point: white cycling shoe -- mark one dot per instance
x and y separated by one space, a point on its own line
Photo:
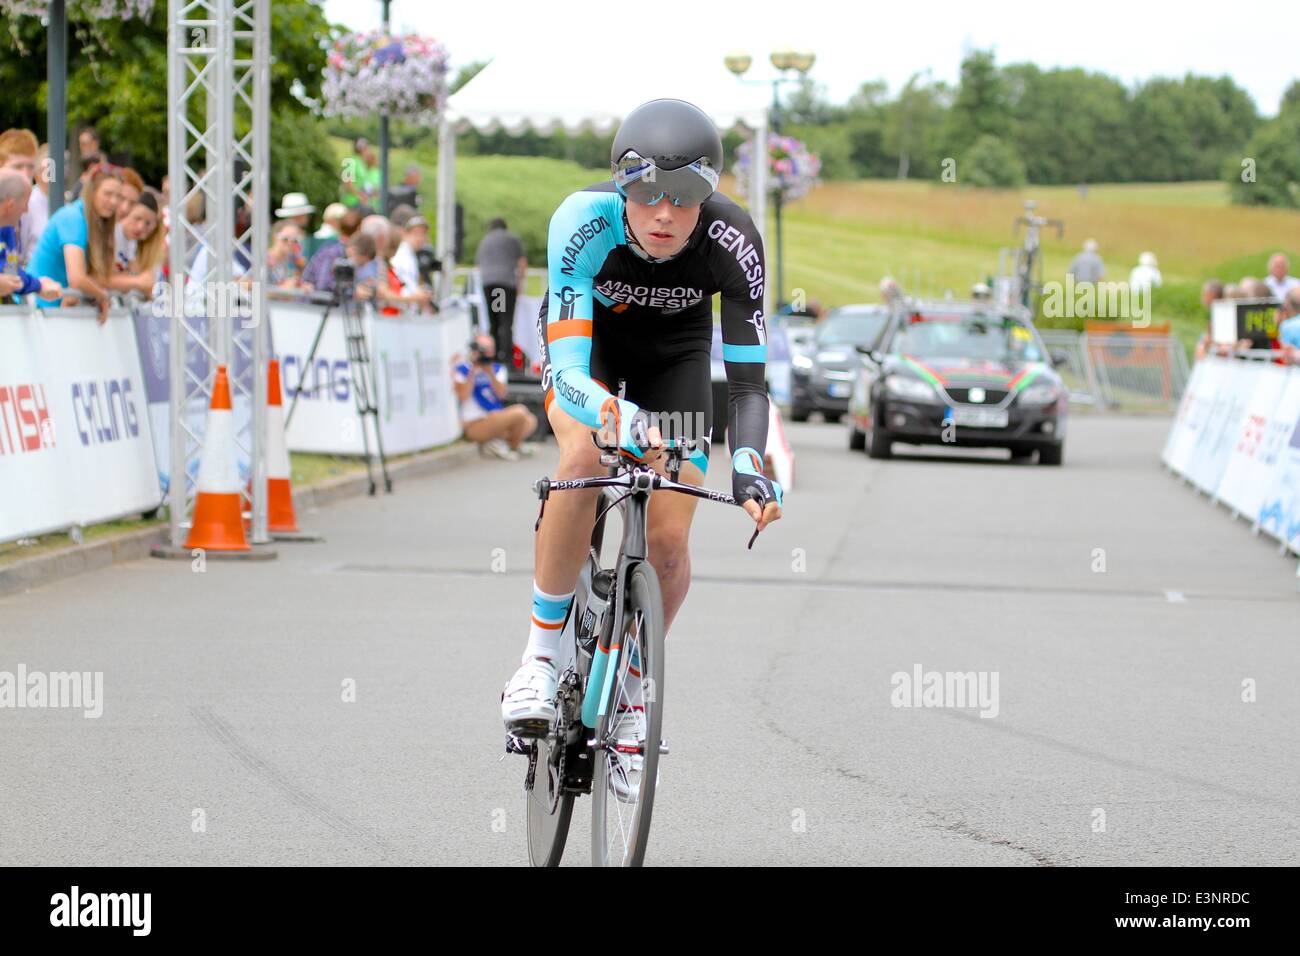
528 701
625 771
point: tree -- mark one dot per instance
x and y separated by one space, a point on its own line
117 82
981 105
912 124
991 163
1272 177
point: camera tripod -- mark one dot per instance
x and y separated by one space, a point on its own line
354 335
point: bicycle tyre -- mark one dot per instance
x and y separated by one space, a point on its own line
641 622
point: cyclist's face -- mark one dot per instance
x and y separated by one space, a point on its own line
662 229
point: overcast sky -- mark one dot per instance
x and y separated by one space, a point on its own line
1131 40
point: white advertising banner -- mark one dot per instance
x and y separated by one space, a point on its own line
75 442
1217 439
1192 410
1247 476
410 362
1279 506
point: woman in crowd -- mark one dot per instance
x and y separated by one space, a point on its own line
284 260
141 247
76 249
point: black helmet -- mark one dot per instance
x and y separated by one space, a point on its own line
668 135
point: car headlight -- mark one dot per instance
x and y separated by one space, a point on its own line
901 386
1044 393
802 362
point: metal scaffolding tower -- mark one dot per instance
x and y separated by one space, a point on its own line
218 79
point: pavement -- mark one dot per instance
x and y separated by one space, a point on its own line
340 705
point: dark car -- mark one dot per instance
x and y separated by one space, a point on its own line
961 374
821 378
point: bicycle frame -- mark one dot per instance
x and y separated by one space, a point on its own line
639 481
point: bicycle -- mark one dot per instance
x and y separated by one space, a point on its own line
579 754
1029 260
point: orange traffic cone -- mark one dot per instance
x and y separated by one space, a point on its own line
279 493
217 524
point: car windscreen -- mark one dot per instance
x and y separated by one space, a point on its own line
856 327
980 337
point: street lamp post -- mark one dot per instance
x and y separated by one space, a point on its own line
56 99
383 138
784 61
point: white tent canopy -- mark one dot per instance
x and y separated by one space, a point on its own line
591 89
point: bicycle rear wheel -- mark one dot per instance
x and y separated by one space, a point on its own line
621 805
549 809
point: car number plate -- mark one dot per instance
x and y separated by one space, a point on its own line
980 417
840 389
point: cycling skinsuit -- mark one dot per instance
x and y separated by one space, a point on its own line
610 314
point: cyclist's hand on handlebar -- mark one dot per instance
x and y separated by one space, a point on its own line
628 428
759 495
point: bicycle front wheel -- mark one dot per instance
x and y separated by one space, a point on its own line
628 734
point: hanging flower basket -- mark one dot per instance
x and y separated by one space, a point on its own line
82 9
792 169
369 74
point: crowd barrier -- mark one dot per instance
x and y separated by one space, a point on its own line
85 420
1236 437
75 439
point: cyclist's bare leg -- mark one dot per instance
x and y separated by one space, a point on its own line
668 529
565 534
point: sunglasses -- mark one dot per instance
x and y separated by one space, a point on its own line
641 181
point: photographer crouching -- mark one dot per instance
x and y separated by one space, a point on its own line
480 384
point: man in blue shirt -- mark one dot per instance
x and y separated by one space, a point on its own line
15 190
480 385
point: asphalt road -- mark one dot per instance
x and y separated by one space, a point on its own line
1119 612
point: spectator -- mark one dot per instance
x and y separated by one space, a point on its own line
76 249
379 229
1233 291
38 207
141 246
361 178
132 190
1211 292
297 210
407 192
88 147
502 265
414 236
91 153
15 190
1278 281
165 202
1145 275
1288 329
1087 265
1256 289
19 151
362 254
480 384
319 273
284 262
402 214
890 290
330 220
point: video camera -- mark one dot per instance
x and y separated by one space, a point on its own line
427 263
479 356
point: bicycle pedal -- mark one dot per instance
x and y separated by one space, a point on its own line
516 745
663 748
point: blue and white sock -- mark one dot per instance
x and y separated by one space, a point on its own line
549 612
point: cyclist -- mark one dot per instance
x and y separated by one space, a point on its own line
633 266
